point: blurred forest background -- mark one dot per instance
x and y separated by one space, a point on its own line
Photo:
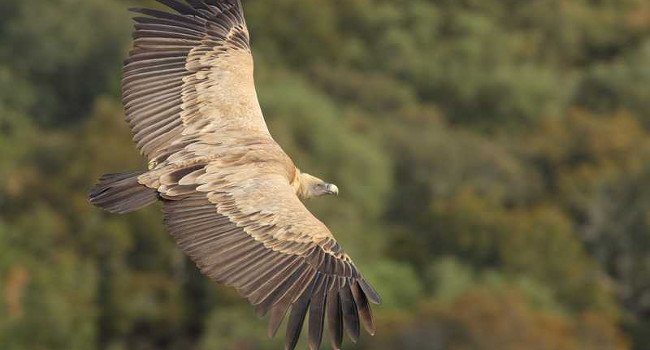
493 158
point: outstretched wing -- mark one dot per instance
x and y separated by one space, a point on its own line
190 72
243 225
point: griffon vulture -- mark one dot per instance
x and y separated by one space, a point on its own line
230 195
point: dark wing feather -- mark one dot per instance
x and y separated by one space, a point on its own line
335 320
317 313
298 312
350 313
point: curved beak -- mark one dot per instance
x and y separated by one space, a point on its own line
332 189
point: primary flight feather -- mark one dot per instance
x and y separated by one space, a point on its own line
230 195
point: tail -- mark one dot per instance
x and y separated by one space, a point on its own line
122 193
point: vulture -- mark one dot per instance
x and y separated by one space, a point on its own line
231 197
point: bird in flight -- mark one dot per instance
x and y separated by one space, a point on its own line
231 196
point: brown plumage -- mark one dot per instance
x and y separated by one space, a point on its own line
230 195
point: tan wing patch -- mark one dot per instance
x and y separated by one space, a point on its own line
221 95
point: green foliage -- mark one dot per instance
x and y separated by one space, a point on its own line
399 284
492 158
68 51
235 327
620 84
42 290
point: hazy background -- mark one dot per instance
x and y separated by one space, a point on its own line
493 158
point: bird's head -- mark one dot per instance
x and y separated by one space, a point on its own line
311 186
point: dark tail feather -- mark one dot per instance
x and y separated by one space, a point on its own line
121 193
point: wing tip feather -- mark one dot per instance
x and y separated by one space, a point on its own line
370 292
